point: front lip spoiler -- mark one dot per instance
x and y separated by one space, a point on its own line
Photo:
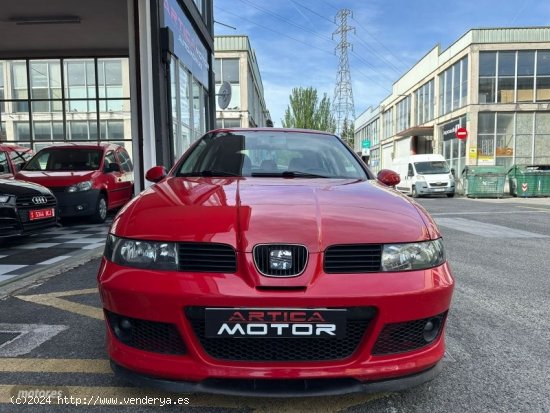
279 388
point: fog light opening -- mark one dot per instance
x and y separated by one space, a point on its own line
80 207
431 329
123 329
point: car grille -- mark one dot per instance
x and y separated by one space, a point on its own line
438 184
146 335
351 259
284 349
25 204
207 257
407 336
262 259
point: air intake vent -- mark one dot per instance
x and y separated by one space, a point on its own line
207 257
350 259
280 260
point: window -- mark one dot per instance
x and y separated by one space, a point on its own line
62 97
125 161
543 76
425 103
388 123
506 74
404 114
453 87
509 76
228 70
487 77
526 79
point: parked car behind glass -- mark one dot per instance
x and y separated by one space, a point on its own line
273 262
12 159
25 208
87 180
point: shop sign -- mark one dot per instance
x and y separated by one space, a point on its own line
449 130
188 47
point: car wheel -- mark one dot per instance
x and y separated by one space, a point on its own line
414 192
451 195
100 213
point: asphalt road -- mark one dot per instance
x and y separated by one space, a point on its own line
498 334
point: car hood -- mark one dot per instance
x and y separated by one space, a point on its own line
19 188
242 212
55 179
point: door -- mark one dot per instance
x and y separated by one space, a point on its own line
127 171
114 180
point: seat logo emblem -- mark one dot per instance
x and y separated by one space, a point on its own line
280 259
39 200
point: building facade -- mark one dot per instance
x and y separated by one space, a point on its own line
236 63
493 82
135 72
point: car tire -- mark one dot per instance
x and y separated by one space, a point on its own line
100 213
414 192
451 195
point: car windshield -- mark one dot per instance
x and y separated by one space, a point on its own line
271 154
65 160
432 167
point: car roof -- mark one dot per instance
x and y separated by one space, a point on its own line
281 130
10 148
73 145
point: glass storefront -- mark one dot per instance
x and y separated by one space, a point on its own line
508 138
46 101
188 110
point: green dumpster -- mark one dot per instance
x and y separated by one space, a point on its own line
529 180
484 181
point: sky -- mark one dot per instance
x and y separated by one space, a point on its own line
295 47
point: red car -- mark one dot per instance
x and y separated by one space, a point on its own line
272 262
12 159
87 180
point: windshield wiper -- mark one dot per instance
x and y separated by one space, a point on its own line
289 174
209 172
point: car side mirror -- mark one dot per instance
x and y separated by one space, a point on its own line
156 174
388 177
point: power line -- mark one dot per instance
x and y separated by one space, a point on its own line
274 31
397 59
284 19
313 11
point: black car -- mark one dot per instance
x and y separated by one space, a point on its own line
25 208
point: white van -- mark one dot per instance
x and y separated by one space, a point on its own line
424 175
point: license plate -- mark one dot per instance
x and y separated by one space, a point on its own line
275 323
41 214
439 189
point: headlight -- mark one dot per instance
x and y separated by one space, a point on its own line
451 177
80 187
142 254
413 256
4 198
420 178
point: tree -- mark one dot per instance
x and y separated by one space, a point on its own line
348 133
306 112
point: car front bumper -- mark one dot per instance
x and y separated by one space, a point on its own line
77 204
164 297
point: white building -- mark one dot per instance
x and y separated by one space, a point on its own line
493 82
235 62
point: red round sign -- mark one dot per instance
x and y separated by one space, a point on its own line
461 133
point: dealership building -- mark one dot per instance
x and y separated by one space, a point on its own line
493 82
136 72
